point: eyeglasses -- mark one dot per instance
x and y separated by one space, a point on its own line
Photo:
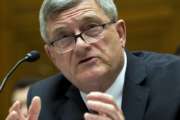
90 35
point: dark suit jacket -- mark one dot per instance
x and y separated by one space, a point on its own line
151 91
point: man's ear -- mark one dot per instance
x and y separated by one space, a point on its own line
50 53
121 29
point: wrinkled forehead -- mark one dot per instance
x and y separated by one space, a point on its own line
86 9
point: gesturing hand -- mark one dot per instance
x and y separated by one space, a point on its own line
105 107
33 112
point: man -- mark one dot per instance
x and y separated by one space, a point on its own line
100 79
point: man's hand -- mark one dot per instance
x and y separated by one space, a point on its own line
33 112
105 107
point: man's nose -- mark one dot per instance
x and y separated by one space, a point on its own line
81 44
80 39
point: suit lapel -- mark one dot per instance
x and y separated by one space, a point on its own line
73 108
135 95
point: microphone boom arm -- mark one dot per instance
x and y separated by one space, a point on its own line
29 57
10 72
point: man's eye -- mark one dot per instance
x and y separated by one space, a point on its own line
91 26
62 36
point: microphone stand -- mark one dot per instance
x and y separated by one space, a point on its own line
11 71
29 57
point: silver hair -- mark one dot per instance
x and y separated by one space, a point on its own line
51 7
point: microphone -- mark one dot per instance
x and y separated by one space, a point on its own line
29 57
32 56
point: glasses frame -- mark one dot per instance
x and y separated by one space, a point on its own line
81 36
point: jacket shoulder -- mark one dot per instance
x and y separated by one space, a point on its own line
157 59
48 89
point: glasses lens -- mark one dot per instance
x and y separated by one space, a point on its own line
93 34
64 45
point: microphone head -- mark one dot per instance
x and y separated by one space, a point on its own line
32 56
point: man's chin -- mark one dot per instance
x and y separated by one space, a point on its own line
91 74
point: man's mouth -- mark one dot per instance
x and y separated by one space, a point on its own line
87 60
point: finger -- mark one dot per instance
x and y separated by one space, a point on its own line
13 115
99 96
89 116
108 100
103 108
15 107
106 110
35 108
121 114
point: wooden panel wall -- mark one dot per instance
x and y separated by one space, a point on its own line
19 34
151 25
3 46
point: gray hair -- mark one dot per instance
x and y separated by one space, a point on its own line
51 7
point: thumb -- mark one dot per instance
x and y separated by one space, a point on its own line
34 109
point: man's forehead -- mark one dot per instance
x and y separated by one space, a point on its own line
86 18
91 16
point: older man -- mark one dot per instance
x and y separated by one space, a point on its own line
99 79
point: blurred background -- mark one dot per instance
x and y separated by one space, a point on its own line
152 25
